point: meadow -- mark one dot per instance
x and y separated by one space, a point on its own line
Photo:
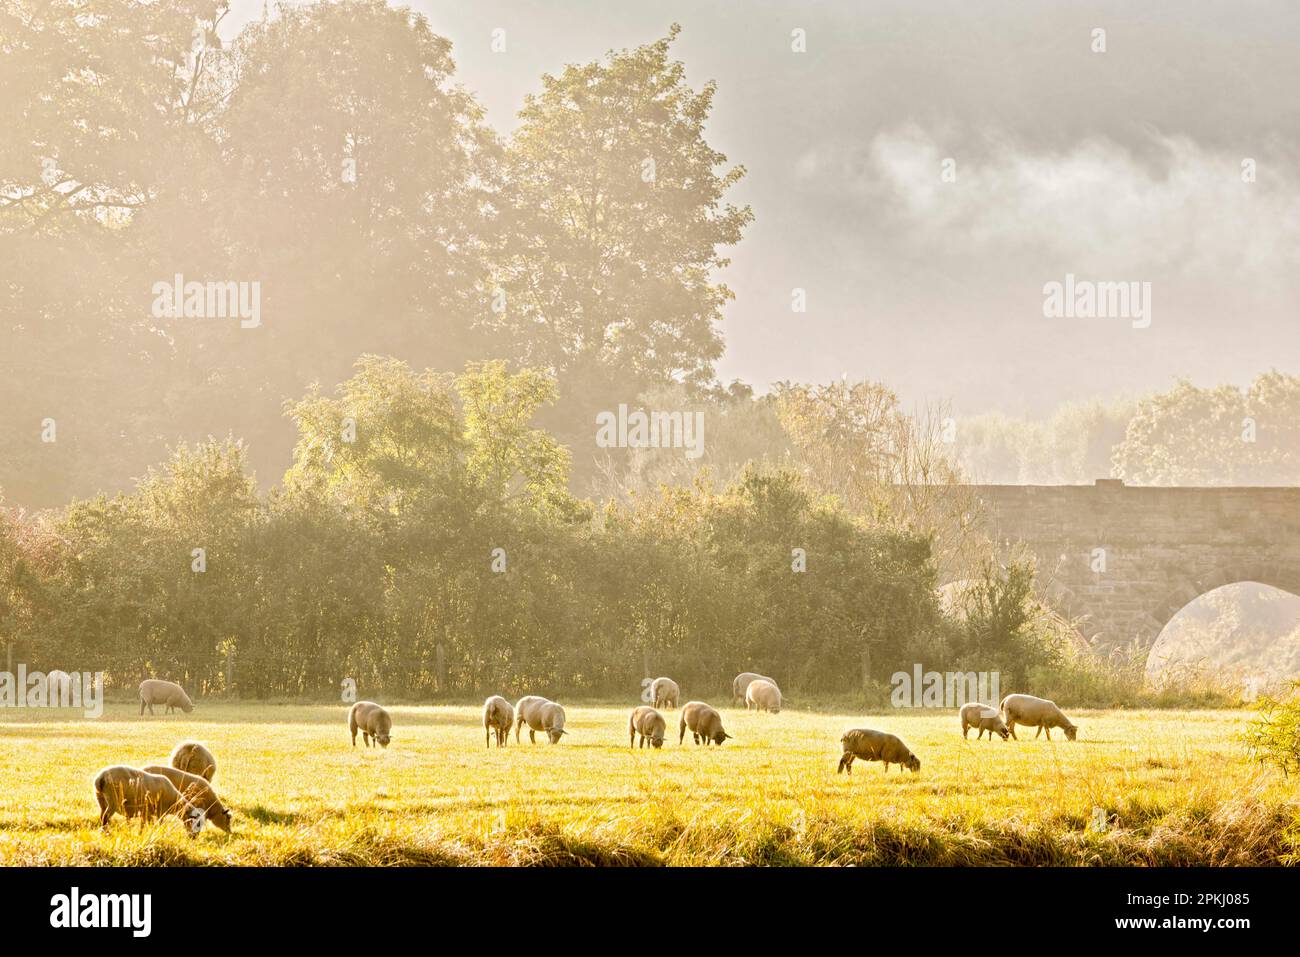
1173 788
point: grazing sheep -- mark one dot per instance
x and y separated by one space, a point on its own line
976 715
763 695
648 723
872 745
153 691
195 758
741 684
704 722
131 792
374 723
1030 711
540 715
498 716
197 791
666 693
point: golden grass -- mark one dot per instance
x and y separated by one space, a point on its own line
1176 788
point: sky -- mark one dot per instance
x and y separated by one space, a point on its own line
1117 166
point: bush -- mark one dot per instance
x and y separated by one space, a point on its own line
1274 737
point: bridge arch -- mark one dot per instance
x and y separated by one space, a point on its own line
1159 548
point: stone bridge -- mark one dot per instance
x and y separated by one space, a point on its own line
1124 560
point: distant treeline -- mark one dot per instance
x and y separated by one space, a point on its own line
425 543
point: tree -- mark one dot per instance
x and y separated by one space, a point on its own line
615 212
1215 436
100 120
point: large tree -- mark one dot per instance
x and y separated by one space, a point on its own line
617 212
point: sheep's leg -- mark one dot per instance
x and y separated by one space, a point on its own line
965 728
681 736
1011 729
532 736
142 707
105 812
1049 732
1038 732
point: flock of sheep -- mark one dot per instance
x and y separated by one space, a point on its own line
184 788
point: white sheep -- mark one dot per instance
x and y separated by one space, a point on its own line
665 692
1030 711
540 714
195 758
133 792
197 791
871 745
154 691
374 723
704 723
763 695
498 716
741 683
981 716
648 723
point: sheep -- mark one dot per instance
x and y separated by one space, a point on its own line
498 716
763 695
666 693
131 791
705 724
197 791
1027 710
374 723
870 745
195 758
976 715
153 691
741 684
540 715
648 723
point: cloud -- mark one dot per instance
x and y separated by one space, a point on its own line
1172 208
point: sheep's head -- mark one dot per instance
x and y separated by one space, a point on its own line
553 734
657 740
719 736
187 707
220 817
383 737
1071 731
193 818
1002 730
913 763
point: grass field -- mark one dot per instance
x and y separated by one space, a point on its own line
1176 788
